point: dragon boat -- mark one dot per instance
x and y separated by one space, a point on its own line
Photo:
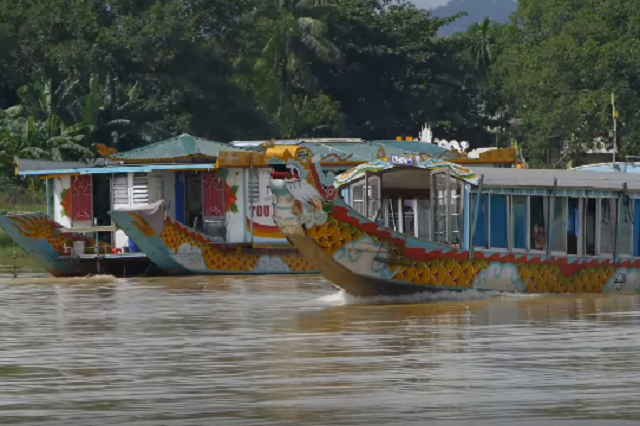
407 224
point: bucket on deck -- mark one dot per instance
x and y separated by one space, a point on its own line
133 248
78 248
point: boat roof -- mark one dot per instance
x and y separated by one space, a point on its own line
258 143
177 152
179 148
515 179
621 167
356 149
96 170
546 178
32 165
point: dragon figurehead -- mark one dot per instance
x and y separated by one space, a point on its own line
298 173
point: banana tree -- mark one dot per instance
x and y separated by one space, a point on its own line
19 138
112 112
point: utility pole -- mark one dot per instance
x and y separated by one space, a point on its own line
615 129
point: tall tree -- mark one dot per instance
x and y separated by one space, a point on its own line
561 62
294 32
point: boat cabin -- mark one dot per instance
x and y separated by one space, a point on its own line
402 197
180 171
547 212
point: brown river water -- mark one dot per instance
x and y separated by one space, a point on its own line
276 350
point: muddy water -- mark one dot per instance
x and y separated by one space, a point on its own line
293 351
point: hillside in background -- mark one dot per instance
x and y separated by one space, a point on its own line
477 10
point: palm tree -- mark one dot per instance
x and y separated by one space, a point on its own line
294 32
481 48
482 44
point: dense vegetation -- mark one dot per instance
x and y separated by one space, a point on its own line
125 73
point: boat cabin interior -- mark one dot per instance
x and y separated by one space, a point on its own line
412 201
556 212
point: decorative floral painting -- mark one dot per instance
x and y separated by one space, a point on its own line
65 202
230 192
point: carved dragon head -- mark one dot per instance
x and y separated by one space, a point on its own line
303 193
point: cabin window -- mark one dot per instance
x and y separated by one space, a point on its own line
559 235
608 213
357 197
391 216
424 219
441 199
625 246
589 228
498 221
373 198
480 234
538 221
456 223
408 217
573 225
518 222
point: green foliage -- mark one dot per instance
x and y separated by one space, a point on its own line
128 73
558 65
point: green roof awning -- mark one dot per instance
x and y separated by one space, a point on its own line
178 148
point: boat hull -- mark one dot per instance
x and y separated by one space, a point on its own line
345 278
40 238
179 250
366 259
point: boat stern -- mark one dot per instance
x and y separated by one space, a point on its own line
147 234
42 239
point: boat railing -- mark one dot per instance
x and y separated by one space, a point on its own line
97 248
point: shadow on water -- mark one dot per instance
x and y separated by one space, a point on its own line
291 350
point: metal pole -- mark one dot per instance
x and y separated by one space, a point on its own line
48 197
476 209
615 129
416 231
250 188
366 195
447 200
400 215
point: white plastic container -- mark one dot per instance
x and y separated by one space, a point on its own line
78 248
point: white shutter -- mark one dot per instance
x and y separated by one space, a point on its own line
140 188
120 189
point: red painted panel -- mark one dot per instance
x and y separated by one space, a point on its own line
81 199
213 192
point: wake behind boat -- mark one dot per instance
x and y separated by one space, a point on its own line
408 224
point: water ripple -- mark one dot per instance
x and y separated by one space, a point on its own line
292 350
